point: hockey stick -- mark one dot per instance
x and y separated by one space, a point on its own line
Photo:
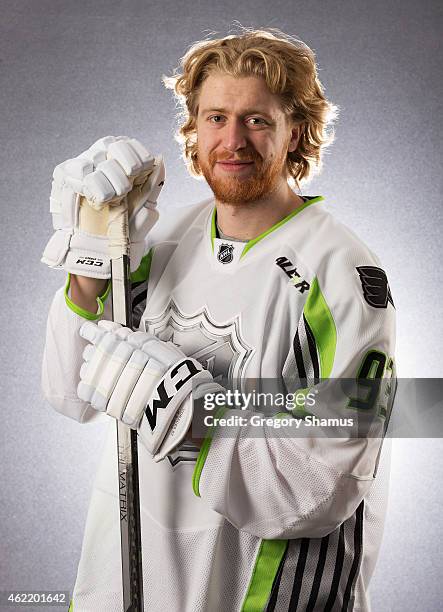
130 525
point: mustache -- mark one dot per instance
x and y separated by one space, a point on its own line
244 156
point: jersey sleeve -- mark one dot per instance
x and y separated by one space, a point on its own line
62 359
286 486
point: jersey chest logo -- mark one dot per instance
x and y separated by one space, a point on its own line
219 347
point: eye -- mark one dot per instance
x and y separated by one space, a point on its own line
215 118
256 121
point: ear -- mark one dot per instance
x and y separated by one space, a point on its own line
295 137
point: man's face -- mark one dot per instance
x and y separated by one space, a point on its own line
243 138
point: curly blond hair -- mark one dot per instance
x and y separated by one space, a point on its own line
289 69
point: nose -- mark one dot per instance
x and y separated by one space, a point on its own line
234 135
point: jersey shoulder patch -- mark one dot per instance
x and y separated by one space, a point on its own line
376 290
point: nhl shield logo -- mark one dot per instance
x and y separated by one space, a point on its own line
225 253
219 347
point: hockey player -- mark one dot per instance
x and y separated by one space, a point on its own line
257 282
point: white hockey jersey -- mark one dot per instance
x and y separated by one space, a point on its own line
248 522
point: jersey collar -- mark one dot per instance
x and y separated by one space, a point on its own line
248 246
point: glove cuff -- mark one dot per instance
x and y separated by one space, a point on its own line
85 255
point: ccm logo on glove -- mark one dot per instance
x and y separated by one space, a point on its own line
89 261
170 382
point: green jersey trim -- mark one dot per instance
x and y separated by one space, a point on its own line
202 455
142 272
321 322
71 606
292 214
248 246
85 314
268 561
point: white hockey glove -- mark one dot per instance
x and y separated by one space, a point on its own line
83 187
139 379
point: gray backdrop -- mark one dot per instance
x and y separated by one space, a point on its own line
72 72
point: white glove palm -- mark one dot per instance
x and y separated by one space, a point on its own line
144 382
83 190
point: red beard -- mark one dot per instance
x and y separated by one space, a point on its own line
238 190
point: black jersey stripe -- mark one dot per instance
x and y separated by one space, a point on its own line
139 293
358 545
137 284
137 288
337 569
138 299
299 358
312 351
298 578
276 585
318 574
